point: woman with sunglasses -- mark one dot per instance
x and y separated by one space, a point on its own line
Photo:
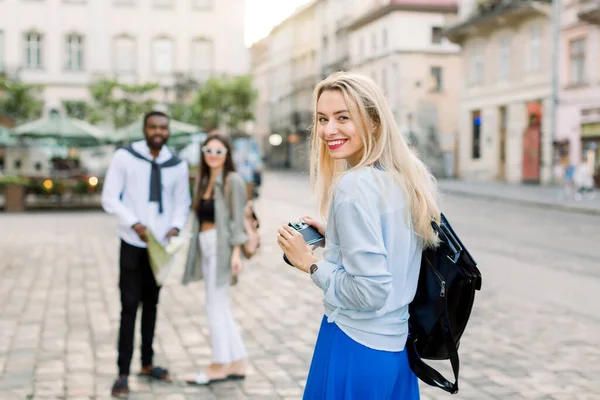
215 255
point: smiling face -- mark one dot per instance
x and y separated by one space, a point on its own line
214 153
336 128
156 130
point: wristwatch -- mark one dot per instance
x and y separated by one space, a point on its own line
312 269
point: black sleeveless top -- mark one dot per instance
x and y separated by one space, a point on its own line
206 210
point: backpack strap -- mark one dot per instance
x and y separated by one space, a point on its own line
155 174
227 189
426 373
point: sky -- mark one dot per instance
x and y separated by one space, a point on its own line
262 15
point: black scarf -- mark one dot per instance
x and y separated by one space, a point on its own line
155 175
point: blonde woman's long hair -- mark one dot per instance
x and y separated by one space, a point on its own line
385 146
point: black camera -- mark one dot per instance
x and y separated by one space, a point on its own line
311 235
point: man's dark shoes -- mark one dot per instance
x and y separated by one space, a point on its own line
157 373
120 389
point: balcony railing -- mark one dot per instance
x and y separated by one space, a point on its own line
492 14
485 7
589 11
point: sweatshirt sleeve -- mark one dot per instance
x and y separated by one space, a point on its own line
362 281
114 184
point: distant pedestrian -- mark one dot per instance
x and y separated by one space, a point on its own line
380 200
248 163
215 255
145 183
569 185
583 180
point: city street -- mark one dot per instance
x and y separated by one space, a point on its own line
534 332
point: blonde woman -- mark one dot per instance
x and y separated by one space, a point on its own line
380 200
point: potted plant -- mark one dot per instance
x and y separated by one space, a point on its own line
14 193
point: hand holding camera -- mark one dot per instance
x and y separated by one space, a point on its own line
318 225
297 240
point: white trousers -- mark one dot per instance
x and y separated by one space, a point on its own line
226 340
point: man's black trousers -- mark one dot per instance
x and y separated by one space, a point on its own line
137 285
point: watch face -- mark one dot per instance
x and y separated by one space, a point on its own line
313 268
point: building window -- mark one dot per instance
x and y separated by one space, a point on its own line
504 57
577 61
476 129
384 82
202 3
535 49
436 35
163 3
436 79
477 64
125 60
74 46
162 52
373 42
1 51
33 50
384 38
202 59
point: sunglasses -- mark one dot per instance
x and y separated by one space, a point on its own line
216 152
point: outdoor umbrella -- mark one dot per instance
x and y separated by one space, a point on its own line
6 139
135 131
67 131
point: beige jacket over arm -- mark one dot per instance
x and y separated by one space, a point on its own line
229 221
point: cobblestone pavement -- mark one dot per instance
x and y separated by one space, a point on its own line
534 334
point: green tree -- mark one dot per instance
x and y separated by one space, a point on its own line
76 108
134 102
242 96
118 103
181 112
104 102
20 101
224 100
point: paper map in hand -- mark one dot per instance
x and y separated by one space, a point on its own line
162 257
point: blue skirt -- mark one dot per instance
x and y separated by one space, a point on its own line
344 369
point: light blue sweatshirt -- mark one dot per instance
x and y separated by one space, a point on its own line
371 260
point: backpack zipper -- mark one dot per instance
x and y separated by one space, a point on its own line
440 278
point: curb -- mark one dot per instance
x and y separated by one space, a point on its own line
529 203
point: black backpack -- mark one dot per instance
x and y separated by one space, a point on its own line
442 306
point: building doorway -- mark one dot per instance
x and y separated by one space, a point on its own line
532 143
590 148
502 143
